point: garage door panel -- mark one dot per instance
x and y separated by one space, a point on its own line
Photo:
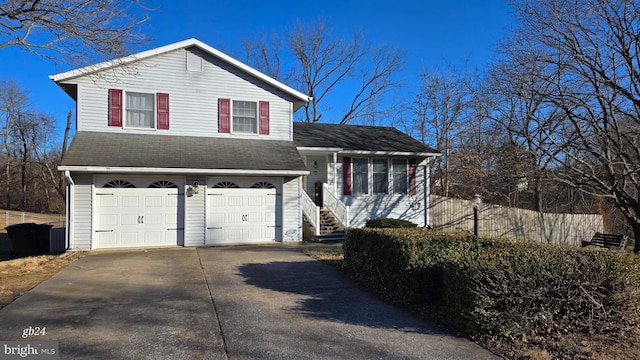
241 215
135 217
130 201
153 202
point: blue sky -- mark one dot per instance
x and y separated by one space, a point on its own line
432 34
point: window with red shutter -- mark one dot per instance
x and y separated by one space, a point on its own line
412 176
346 175
115 107
264 117
224 115
163 111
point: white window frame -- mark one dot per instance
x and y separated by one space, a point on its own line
232 118
373 183
393 177
125 115
353 177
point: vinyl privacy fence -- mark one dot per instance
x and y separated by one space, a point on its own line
496 221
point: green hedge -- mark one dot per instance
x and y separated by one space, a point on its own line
388 223
539 289
498 287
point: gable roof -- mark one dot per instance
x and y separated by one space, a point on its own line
141 153
68 75
356 139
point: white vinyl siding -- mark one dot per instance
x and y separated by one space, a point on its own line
82 209
292 210
194 217
194 96
399 206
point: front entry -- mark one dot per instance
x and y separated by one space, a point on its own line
317 166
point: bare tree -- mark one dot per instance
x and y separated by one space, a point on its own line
323 63
28 154
587 51
440 108
74 32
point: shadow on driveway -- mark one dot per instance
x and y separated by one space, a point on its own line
328 295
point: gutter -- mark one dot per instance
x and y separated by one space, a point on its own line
183 171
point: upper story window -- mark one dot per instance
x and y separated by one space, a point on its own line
139 109
245 117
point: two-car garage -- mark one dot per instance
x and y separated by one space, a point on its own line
150 211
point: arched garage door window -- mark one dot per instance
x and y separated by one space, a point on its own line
226 185
118 184
163 184
263 185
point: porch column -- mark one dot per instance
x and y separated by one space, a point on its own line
335 173
427 192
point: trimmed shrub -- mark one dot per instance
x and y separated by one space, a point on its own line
499 287
403 264
382 223
529 289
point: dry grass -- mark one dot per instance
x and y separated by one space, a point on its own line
20 275
567 346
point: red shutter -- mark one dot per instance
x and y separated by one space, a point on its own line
224 115
115 107
163 111
264 117
412 176
346 175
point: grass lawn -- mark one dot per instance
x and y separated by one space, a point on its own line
562 346
20 275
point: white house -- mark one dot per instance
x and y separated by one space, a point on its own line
184 145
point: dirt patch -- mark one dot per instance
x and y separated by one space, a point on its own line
20 275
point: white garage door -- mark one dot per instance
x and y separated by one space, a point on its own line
241 216
138 217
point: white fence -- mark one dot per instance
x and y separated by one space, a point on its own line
448 214
311 211
331 202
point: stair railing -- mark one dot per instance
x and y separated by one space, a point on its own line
311 211
337 207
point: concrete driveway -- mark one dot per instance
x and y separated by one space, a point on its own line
237 302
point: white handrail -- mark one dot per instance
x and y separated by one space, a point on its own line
337 207
312 212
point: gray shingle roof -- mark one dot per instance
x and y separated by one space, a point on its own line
187 152
356 138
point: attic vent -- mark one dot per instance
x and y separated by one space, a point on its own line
194 62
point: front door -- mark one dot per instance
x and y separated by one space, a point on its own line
317 166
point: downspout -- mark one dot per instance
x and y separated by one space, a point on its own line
69 199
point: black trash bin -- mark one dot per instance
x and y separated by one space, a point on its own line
29 239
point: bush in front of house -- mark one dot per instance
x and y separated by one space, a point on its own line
498 287
383 223
401 264
541 290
